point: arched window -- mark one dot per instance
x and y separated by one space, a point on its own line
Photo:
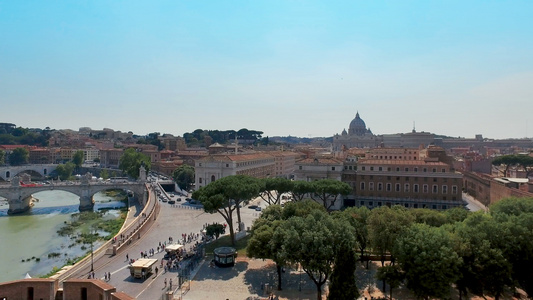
44 171
8 174
212 178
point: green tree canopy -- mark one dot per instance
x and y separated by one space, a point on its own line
226 194
314 242
430 217
512 206
301 208
392 274
300 188
64 171
428 259
214 230
77 159
525 162
104 174
184 176
456 214
342 281
130 162
272 189
519 251
485 268
358 218
328 190
19 156
261 244
19 131
513 233
385 225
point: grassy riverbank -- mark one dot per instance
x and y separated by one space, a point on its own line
92 228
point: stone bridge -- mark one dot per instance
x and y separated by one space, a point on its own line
19 196
8 172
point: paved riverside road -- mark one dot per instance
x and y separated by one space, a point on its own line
172 221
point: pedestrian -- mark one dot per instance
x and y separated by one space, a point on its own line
170 284
105 276
127 257
108 275
156 270
165 282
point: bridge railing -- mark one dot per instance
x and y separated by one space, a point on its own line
130 231
148 214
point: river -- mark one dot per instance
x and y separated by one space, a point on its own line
26 237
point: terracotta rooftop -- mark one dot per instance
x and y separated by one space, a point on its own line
12 147
320 161
236 157
101 284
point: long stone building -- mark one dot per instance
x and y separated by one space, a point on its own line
411 177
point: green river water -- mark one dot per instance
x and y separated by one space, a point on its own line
34 234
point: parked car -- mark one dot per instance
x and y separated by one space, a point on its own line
258 208
252 206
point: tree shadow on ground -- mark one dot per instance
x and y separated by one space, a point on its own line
295 284
216 273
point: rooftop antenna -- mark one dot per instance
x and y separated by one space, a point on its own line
414 128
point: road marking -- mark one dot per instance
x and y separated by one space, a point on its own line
119 270
149 284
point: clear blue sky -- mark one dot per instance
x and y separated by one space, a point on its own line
301 68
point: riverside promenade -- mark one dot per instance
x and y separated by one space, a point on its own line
138 221
160 221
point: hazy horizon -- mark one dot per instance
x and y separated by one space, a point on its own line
299 68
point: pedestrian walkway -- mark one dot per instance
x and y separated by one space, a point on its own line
248 279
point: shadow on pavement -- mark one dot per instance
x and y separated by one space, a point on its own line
217 273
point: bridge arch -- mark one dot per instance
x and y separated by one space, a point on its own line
8 172
19 197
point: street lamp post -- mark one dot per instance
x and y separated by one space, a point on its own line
92 255
92 235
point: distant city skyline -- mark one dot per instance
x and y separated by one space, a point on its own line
455 68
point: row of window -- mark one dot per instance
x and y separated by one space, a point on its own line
332 168
254 162
398 169
212 179
370 204
407 187
406 178
395 157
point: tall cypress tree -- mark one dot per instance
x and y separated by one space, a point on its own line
342 282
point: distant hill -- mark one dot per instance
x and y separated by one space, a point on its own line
298 140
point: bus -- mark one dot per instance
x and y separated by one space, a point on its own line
142 268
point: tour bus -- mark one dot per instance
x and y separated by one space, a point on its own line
142 268
173 250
